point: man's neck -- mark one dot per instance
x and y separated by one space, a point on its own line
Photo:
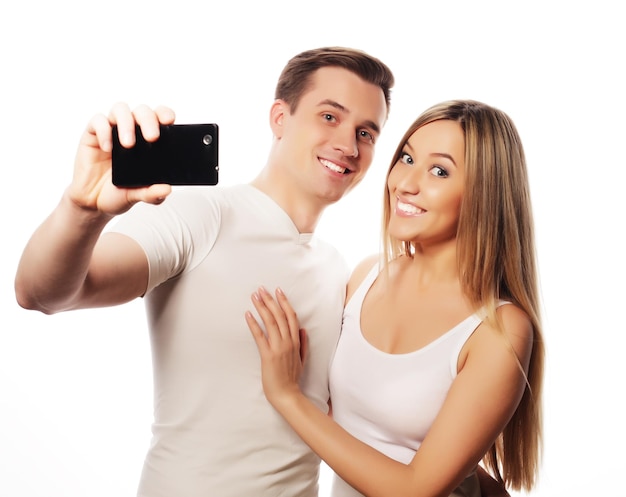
305 214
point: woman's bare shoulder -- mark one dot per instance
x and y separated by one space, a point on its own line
360 272
516 331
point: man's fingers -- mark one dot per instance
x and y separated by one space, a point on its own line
98 133
153 194
165 115
121 116
148 121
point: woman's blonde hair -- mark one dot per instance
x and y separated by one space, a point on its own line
496 259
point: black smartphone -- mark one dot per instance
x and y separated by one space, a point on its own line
184 154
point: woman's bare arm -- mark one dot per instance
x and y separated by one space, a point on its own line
481 401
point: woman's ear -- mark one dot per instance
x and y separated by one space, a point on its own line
277 113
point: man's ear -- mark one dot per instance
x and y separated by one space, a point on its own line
277 114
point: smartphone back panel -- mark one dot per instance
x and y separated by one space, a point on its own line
184 154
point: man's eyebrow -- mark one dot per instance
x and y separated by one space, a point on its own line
342 108
334 104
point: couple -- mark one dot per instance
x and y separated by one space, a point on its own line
459 250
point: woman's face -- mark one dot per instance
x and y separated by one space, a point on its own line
426 184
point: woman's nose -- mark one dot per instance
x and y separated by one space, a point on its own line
410 181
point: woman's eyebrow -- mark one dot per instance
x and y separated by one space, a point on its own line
434 154
445 156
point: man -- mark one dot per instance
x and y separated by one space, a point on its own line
199 256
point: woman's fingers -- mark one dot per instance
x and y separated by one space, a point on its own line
277 336
257 332
269 322
279 318
290 315
273 315
304 344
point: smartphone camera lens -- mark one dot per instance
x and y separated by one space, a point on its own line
207 139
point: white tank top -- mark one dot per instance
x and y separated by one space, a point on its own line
389 401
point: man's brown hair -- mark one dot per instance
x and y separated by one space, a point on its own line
296 76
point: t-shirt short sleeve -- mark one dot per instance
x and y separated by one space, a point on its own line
175 235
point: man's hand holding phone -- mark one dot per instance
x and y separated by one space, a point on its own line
92 186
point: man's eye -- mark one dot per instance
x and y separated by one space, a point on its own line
406 158
366 135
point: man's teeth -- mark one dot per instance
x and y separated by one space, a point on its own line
333 167
408 208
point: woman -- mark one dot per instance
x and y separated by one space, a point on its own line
440 361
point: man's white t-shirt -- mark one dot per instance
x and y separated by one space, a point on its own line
214 432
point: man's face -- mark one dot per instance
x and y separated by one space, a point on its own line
327 145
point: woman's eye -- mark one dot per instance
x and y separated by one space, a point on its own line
329 117
439 171
406 158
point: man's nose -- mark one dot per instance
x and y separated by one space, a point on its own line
346 141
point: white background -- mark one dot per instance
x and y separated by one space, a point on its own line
75 388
